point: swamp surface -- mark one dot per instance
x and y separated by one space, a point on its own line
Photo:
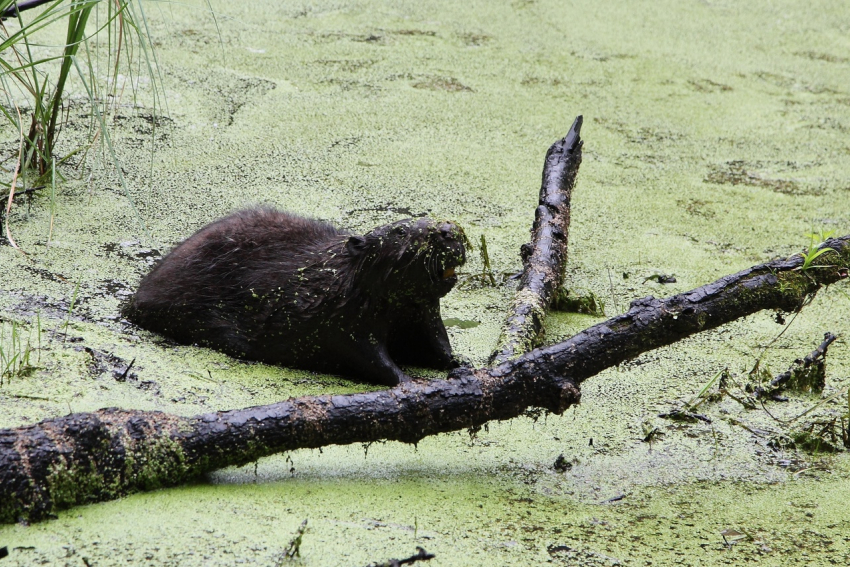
717 136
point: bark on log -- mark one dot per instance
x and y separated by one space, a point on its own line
88 457
545 257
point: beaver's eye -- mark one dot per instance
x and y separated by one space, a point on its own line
401 231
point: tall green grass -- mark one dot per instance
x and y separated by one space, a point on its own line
106 46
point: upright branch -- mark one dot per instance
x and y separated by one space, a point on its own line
545 256
89 457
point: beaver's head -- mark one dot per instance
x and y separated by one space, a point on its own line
411 256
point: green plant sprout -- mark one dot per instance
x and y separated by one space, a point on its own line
486 269
15 351
71 309
701 397
814 251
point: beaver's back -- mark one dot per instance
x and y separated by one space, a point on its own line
203 290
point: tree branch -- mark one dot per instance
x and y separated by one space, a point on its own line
89 457
545 257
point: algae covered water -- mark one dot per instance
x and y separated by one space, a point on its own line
715 138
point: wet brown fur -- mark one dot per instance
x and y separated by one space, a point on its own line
267 285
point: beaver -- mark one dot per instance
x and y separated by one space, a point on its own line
267 285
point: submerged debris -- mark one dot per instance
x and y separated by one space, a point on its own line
293 550
562 464
805 375
827 434
589 304
661 278
421 555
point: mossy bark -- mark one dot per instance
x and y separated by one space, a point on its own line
89 457
545 257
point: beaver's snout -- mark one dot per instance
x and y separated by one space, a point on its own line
451 239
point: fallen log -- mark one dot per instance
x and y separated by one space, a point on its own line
545 256
96 456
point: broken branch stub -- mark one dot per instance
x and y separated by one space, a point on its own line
545 257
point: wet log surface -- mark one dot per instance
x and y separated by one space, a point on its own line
89 457
545 256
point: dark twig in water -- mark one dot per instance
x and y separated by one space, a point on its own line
86 457
421 555
21 192
544 258
123 376
684 415
617 498
805 374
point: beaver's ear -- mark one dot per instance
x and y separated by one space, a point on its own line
356 244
